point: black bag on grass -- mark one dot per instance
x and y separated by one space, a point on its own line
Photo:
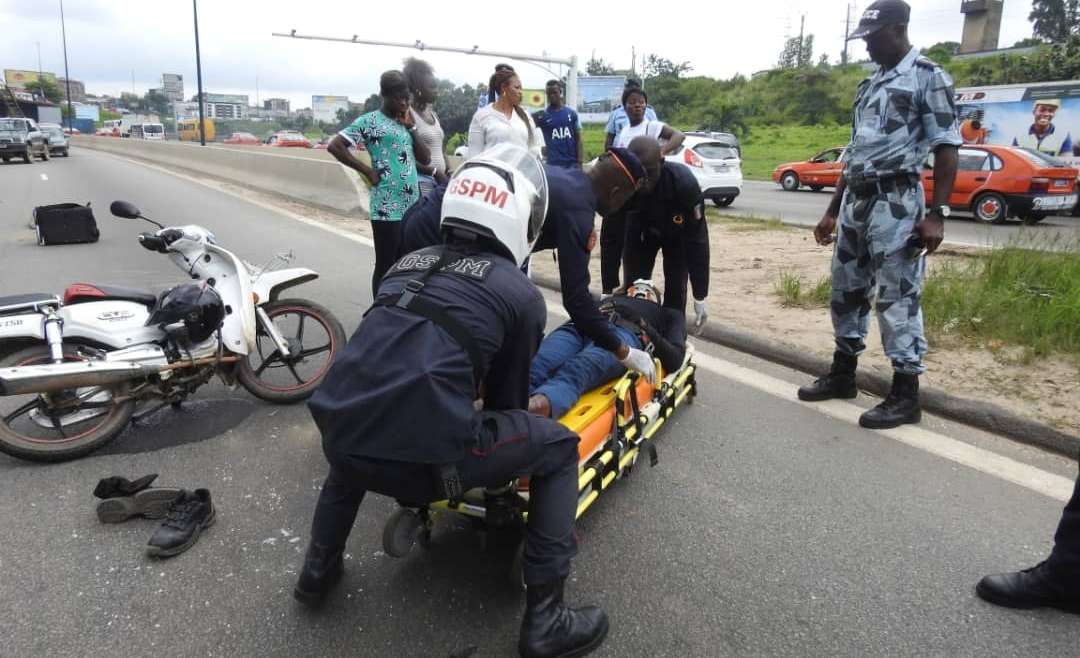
65 223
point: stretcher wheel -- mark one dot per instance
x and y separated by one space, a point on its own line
517 568
403 529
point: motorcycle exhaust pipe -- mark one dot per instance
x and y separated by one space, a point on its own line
54 377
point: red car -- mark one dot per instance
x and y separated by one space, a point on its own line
288 138
995 183
242 138
822 170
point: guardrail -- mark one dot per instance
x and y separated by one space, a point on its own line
311 176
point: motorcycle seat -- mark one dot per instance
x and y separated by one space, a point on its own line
85 292
28 302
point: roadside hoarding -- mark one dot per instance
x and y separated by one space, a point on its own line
1044 117
325 108
598 95
18 79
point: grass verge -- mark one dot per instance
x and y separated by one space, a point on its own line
744 224
792 292
1011 296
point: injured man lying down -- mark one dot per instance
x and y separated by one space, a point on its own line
568 364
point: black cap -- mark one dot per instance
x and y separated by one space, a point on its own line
881 14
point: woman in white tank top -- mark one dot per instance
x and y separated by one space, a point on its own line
422 84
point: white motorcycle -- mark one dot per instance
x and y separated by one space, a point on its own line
80 367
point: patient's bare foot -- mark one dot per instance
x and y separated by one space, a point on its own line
540 405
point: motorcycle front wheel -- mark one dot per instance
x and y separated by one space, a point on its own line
314 337
56 427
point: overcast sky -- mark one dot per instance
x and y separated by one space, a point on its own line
112 41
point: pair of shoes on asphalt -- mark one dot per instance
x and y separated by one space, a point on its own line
186 513
1037 587
549 628
900 407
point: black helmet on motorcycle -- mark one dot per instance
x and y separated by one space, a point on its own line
199 307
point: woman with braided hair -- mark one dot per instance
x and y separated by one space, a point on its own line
503 121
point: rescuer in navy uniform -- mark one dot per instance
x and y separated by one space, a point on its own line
428 399
575 199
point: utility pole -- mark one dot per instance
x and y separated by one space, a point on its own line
802 41
198 75
847 32
67 76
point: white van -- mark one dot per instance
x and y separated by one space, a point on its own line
147 131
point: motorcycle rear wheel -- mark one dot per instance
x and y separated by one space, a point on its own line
315 337
20 434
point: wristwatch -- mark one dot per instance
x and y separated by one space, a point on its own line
944 211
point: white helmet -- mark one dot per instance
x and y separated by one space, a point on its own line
644 289
501 194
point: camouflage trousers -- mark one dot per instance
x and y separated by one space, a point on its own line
872 260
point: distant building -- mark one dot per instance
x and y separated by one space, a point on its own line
277 106
78 89
173 86
305 113
226 106
325 108
982 25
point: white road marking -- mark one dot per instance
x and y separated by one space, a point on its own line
985 461
44 177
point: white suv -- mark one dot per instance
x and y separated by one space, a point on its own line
715 161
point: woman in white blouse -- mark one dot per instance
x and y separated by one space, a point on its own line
504 120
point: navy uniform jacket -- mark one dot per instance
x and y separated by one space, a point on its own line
674 212
403 389
570 220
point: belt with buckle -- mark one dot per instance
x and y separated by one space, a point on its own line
868 187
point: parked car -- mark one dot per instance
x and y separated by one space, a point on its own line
288 138
72 131
821 171
58 141
996 183
714 160
242 138
21 138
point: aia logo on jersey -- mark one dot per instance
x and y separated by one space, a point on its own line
475 188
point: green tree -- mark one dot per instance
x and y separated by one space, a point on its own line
45 87
154 103
662 67
943 51
372 103
1055 20
598 67
1028 43
797 52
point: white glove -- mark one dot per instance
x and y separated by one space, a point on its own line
702 315
642 362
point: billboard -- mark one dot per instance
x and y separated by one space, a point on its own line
598 95
17 79
325 108
1042 117
85 111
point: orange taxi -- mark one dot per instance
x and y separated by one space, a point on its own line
996 183
289 139
821 171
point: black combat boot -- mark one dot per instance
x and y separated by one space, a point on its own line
323 567
839 383
550 629
1037 587
898 408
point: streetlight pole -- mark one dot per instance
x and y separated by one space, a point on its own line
198 74
67 76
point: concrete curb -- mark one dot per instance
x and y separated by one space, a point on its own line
982 415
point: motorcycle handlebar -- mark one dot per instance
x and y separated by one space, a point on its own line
153 242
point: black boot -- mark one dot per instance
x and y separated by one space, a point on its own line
550 629
900 407
839 383
1037 587
323 567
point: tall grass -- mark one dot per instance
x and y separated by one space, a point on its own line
789 288
1014 295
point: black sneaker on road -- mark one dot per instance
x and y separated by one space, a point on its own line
189 515
153 503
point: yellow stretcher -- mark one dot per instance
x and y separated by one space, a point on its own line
615 422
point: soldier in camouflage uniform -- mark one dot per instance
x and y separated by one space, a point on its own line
902 112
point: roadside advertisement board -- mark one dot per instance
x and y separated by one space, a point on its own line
1043 117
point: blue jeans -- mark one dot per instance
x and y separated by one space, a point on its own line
568 365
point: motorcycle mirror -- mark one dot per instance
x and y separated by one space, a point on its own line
124 210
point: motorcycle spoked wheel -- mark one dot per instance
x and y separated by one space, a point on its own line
315 337
63 425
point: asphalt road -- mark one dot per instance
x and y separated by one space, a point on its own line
769 527
805 207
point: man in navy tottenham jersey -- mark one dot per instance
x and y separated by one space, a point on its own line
561 127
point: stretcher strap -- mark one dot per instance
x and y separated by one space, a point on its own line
650 447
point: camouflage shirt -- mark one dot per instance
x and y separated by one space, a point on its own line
900 115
